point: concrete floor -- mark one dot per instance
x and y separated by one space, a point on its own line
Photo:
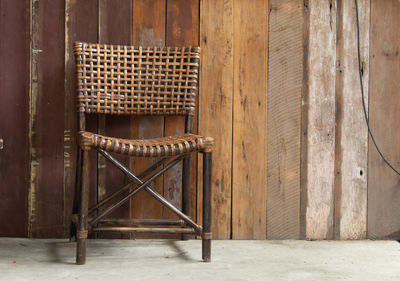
25 259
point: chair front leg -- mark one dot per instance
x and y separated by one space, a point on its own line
82 227
206 234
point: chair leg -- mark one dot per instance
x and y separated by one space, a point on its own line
207 235
78 183
82 227
186 189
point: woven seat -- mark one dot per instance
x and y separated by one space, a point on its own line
136 80
159 147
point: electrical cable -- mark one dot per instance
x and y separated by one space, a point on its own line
362 95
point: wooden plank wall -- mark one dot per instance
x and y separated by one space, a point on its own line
114 16
148 28
249 120
384 184
285 66
351 143
47 115
295 163
14 116
334 142
320 128
216 104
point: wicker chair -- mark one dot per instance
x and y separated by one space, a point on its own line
139 81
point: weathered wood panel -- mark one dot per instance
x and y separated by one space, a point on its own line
148 30
215 107
115 18
249 120
47 104
320 113
182 29
284 119
384 114
14 116
351 146
81 24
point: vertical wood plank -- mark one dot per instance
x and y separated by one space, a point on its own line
148 28
81 24
47 118
351 148
14 116
215 106
284 119
182 29
115 27
249 120
383 183
304 121
320 129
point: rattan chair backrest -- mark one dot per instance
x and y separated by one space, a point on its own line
136 80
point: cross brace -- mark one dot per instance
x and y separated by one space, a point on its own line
142 185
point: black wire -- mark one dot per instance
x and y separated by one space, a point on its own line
362 94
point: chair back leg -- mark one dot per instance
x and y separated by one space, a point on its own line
186 189
83 203
207 235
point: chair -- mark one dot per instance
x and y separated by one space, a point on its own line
139 81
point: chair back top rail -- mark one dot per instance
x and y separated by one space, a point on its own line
135 80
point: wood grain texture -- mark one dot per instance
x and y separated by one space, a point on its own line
182 29
321 119
249 120
284 119
304 121
215 107
47 115
14 116
351 149
384 114
148 29
81 24
115 18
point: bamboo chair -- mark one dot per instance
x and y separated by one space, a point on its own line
139 81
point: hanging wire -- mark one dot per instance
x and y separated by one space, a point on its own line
362 95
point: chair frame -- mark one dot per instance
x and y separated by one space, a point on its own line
184 225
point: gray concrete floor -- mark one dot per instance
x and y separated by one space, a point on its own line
25 259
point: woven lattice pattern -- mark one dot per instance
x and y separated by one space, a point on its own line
159 147
136 80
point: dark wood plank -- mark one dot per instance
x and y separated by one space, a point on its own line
14 116
216 89
285 76
47 118
81 25
148 29
384 112
249 120
182 29
115 27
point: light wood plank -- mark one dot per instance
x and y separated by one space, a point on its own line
351 131
215 107
249 120
383 183
320 128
